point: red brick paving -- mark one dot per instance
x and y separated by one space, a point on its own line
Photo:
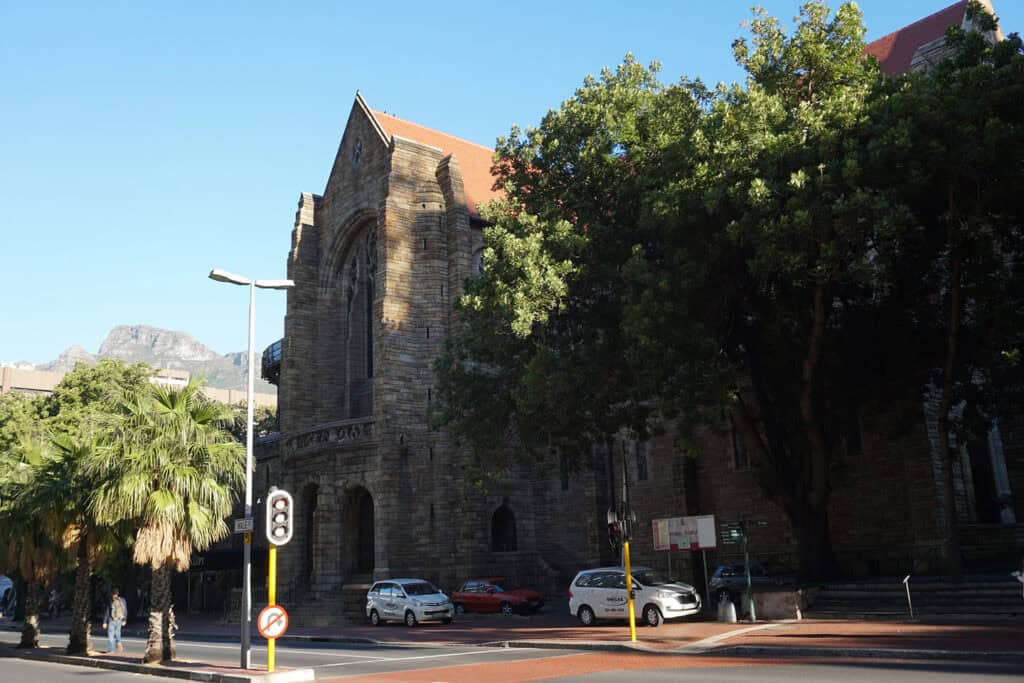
551 667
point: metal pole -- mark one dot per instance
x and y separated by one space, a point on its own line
246 617
271 600
910 605
707 588
750 588
629 592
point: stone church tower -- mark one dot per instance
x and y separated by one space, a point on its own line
378 261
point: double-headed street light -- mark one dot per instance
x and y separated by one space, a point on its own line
224 276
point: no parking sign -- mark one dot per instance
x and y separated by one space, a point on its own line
272 622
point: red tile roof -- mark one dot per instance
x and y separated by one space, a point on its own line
895 51
474 159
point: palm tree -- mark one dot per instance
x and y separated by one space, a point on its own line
30 538
63 487
173 469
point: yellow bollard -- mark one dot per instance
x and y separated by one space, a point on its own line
271 599
629 592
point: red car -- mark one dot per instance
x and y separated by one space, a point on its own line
487 595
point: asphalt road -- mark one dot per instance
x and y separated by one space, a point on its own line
328 659
838 672
18 671
472 664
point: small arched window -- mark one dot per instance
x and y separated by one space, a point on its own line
503 530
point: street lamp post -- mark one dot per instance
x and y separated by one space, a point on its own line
224 276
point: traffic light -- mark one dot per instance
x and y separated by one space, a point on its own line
280 508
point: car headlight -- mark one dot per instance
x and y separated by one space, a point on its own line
667 594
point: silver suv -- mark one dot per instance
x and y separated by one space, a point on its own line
408 600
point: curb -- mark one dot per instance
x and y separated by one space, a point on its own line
865 652
764 650
293 676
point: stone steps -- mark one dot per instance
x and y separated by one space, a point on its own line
888 598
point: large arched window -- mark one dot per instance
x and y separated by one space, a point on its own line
503 530
361 272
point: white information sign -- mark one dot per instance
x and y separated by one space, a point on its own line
685 533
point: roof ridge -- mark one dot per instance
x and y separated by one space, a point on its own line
434 130
921 20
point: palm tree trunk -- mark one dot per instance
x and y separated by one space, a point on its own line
30 630
79 639
160 646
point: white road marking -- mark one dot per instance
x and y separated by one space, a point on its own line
714 640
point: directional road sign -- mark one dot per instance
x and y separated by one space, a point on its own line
272 622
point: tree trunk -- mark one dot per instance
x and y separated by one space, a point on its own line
79 639
814 540
952 560
160 645
30 629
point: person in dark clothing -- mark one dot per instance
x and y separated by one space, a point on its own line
114 618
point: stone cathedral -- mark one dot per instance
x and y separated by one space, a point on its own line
378 260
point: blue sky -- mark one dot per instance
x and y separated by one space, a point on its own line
143 143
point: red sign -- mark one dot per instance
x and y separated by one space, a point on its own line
272 622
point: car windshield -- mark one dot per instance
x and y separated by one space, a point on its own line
649 577
422 588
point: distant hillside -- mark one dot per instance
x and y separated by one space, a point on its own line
165 349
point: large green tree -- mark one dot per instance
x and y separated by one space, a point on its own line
960 166
172 468
541 363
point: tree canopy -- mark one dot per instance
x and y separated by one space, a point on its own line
767 253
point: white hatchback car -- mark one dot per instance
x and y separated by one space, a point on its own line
601 594
408 600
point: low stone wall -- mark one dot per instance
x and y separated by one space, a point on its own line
779 603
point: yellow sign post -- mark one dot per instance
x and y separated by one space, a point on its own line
271 599
629 591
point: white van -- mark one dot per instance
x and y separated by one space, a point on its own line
601 594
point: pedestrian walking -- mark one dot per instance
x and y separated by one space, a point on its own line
114 618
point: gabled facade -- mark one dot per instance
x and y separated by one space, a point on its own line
377 261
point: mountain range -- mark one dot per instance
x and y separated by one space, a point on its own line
162 349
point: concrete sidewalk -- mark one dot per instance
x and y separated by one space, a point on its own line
215 672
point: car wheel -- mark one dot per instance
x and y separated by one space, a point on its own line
506 608
374 618
586 616
410 618
652 616
460 609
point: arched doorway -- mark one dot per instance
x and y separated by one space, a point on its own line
358 547
503 530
